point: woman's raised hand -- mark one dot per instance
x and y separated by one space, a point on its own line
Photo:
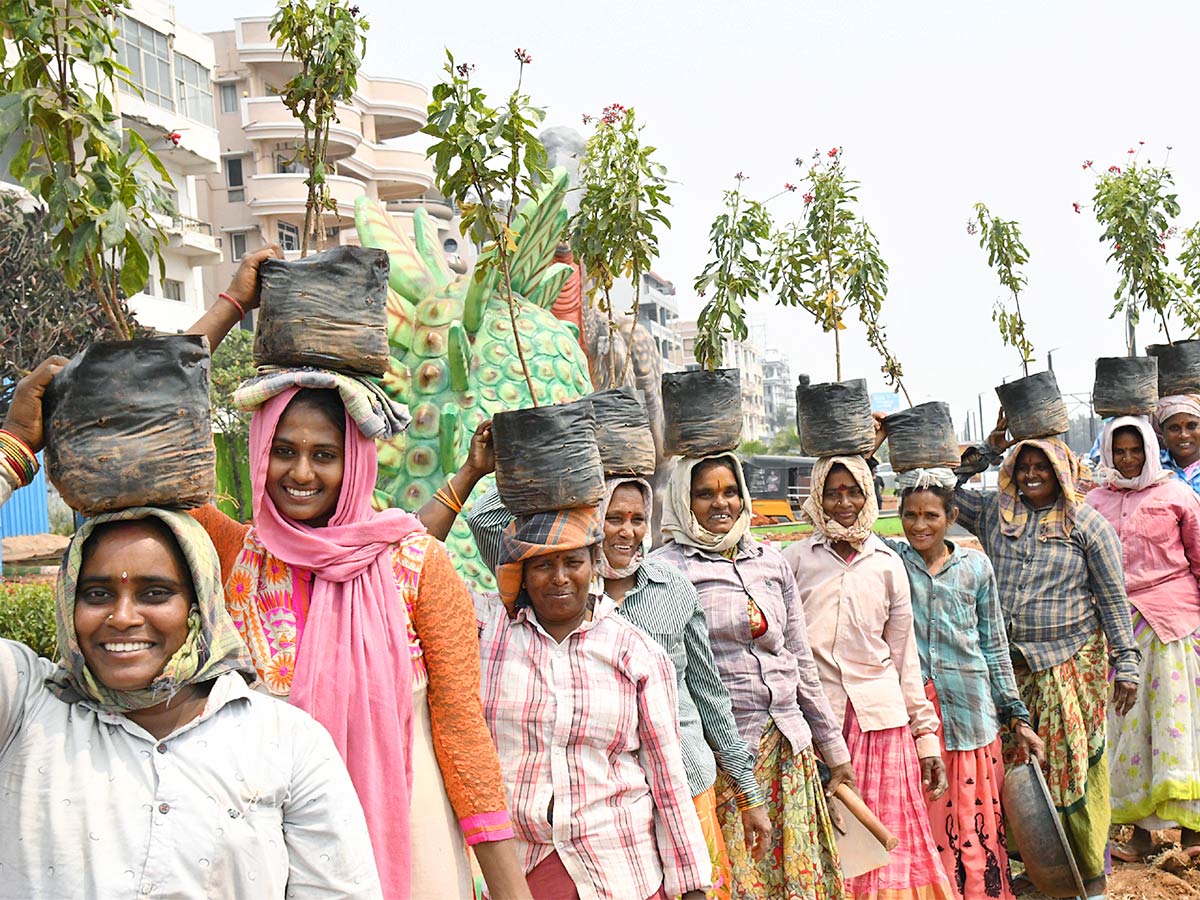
24 419
880 431
999 440
244 286
481 456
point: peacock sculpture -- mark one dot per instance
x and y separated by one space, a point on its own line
454 358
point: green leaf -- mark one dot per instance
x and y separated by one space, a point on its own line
135 269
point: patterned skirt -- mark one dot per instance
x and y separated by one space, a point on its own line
967 821
1156 745
1067 705
710 824
802 861
889 780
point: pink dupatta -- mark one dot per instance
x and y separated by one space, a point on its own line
352 667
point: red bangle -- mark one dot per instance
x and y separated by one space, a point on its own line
238 306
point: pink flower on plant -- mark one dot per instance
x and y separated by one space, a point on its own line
613 113
832 152
587 120
808 198
740 177
1131 151
788 186
1076 207
465 69
523 56
1116 169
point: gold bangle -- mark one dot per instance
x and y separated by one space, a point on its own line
454 494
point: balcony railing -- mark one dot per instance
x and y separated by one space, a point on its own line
183 224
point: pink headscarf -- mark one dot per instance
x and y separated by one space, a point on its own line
352 669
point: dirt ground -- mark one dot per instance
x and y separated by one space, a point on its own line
1169 875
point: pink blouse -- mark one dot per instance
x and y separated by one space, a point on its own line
1159 529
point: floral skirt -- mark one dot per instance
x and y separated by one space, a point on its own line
710 824
1156 745
967 821
889 780
802 861
1067 705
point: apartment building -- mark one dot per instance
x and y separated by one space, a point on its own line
742 355
658 311
174 115
258 195
779 391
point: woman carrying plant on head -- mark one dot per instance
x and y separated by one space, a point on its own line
358 617
1177 420
1156 743
855 597
969 678
136 753
575 696
758 637
658 599
1062 590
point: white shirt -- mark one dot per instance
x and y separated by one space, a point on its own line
249 800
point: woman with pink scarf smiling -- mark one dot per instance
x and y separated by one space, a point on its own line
359 618
1156 744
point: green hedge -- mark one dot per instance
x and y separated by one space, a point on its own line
27 615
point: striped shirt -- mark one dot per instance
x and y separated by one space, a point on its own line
591 763
1056 594
960 638
666 606
773 676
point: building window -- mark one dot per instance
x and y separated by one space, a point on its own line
234 179
229 98
144 52
193 87
237 245
172 289
289 165
289 236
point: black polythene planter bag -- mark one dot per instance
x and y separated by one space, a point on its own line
1034 407
702 412
1178 367
327 310
128 423
922 437
547 458
1125 386
835 419
623 433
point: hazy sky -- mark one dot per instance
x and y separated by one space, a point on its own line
938 106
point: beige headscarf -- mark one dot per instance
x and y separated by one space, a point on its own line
813 512
679 523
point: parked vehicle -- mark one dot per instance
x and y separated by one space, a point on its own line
778 485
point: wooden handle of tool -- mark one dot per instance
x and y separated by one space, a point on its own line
862 812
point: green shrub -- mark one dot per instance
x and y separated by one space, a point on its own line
27 615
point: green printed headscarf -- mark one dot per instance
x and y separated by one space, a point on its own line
213 645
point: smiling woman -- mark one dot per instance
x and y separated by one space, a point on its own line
153 683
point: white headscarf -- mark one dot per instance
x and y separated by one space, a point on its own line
1152 471
679 522
813 511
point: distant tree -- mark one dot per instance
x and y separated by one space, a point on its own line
40 315
231 365
751 448
786 441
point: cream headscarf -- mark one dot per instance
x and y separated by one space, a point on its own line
607 570
812 511
679 523
1152 470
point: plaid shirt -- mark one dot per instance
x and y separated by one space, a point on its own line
960 637
773 676
1055 594
665 605
587 740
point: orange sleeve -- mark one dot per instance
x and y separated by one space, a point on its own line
227 535
444 619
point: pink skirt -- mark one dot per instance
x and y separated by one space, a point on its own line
889 780
967 821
